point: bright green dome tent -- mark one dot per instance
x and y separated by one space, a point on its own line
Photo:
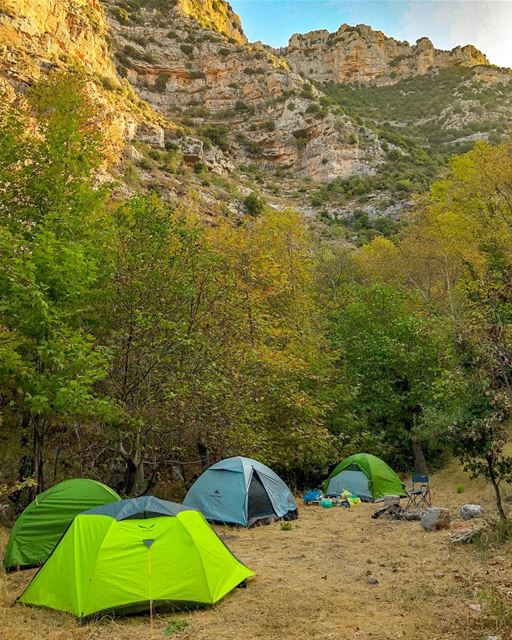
366 476
42 523
128 555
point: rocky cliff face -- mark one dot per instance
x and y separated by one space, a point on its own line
180 89
36 36
243 96
216 15
361 55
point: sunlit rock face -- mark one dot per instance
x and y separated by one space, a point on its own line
273 116
361 55
35 36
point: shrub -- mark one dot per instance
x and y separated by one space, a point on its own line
187 48
254 205
199 167
131 52
196 74
148 57
241 107
459 488
110 84
268 125
217 134
121 15
161 83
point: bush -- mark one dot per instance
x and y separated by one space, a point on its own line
241 107
199 167
132 52
187 48
254 205
196 74
217 134
161 83
459 488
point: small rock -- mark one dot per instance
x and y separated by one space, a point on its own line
438 574
475 607
470 511
132 153
466 537
372 580
493 637
436 518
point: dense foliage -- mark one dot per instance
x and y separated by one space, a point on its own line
135 342
139 345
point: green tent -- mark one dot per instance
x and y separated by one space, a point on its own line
127 555
366 476
42 523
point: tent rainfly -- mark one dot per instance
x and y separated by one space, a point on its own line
241 491
43 522
134 554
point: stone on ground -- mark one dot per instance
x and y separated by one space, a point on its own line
436 518
470 511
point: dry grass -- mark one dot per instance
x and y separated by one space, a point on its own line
312 583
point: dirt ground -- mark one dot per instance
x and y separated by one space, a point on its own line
312 583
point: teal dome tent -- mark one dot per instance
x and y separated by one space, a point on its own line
241 491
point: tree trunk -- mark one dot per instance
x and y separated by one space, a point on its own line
496 486
26 466
38 452
420 464
134 470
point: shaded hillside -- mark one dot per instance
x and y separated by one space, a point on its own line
421 122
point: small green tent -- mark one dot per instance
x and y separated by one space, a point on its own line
366 476
127 555
42 523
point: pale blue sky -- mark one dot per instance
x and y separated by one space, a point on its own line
485 23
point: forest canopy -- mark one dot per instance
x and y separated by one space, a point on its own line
139 345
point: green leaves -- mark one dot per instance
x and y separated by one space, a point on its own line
53 258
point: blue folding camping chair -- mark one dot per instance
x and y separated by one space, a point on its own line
419 494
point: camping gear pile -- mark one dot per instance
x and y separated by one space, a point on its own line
361 477
100 554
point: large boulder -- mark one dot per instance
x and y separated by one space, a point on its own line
192 148
470 511
436 518
152 134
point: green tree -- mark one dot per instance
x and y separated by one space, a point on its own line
53 263
392 359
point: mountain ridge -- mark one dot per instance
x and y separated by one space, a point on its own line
180 79
360 54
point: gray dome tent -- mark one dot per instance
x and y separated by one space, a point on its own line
241 491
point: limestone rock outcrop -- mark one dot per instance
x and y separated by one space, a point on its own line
361 55
245 93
